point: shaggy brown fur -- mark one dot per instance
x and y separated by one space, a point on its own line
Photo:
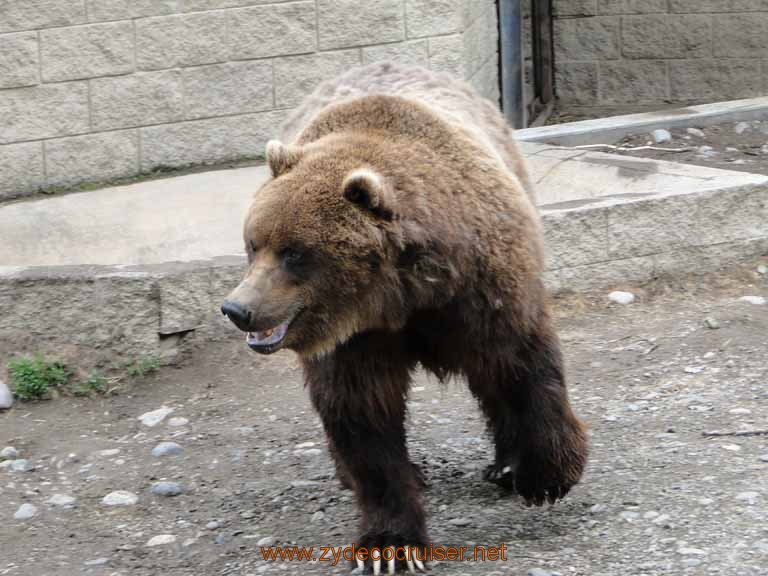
393 235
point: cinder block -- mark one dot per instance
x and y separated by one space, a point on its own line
274 30
565 8
43 111
21 169
633 7
560 229
345 23
182 40
432 17
126 9
715 79
667 36
486 81
413 52
92 158
208 141
576 82
698 6
471 10
137 100
587 38
18 60
87 51
741 36
446 54
297 76
633 81
31 15
480 41
232 88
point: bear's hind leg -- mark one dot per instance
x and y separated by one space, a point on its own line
359 392
540 445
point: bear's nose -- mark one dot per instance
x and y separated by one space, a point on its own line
237 313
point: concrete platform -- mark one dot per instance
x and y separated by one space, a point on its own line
130 271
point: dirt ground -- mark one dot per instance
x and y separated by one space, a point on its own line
660 496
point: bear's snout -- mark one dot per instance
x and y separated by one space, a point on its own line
238 314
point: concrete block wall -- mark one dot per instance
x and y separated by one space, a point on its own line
611 52
98 90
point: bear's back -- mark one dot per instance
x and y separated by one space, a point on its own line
454 101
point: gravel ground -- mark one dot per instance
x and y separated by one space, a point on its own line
660 495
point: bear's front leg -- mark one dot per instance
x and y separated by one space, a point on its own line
360 392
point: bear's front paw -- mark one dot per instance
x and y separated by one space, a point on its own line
379 553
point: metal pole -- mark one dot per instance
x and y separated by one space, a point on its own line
511 40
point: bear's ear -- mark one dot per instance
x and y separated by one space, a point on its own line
366 189
281 158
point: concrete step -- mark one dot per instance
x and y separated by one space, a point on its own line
130 271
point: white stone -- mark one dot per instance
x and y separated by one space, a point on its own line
25 512
747 496
661 136
696 132
266 541
120 498
166 449
741 127
21 465
621 297
318 516
61 500
108 453
96 562
731 447
161 540
6 398
9 453
304 445
178 421
154 417
692 552
756 300
740 411
762 269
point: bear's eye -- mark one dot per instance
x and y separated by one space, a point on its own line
292 256
252 245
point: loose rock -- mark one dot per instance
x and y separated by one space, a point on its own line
166 449
660 136
9 453
538 572
154 418
25 512
178 421
318 516
166 488
96 562
762 269
460 521
266 541
6 398
161 540
696 132
711 323
621 297
62 500
741 127
21 465
120 498
756 300
763 458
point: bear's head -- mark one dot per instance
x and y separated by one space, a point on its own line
321 238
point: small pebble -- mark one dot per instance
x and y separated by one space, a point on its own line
740 411
747 496
661 136
598 509
731 447
96 562
538 572
693 369
178 421
213 525
763 458
220 539
21 465
266 541
691 552
711 323
318 516
621 297
61 500
166 488
154 418
762 269
120 498
696 132
460 521
25 512
9 453
108 453
6 397
161 540
166 449
756 300
741 127
628 515
707 151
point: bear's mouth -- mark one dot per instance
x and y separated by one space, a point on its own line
268 341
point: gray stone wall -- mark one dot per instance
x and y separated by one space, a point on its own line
99 90
612 52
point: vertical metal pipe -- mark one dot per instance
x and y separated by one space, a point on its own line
511 40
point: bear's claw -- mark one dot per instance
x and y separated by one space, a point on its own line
412 564
533 495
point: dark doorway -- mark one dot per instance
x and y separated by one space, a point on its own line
526 60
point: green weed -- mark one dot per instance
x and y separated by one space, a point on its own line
32 378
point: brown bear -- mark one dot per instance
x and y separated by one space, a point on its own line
399 229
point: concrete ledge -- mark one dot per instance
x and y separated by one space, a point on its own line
608 220
613 129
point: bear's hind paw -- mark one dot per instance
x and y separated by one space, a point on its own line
390 560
